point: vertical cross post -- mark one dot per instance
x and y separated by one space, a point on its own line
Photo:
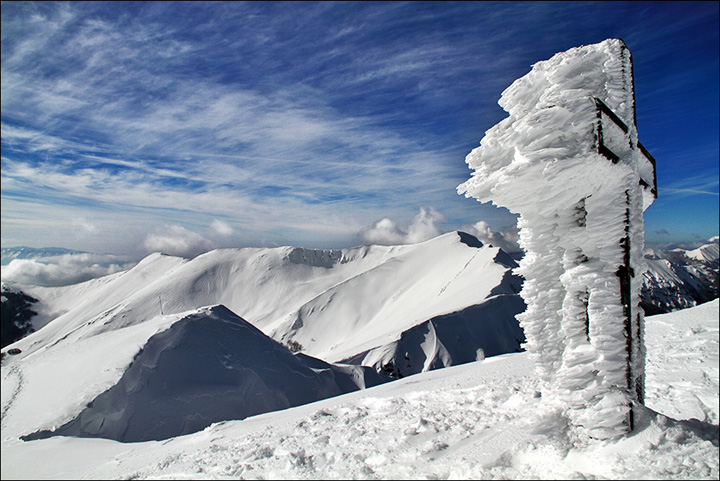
568 161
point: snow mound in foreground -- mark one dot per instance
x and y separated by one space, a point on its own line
208 366
683 352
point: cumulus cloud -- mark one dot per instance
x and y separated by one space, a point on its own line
384 232
506 239
63 270
177 241
387 232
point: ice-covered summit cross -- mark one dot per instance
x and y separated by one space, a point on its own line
568 161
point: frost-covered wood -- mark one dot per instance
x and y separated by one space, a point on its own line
568 161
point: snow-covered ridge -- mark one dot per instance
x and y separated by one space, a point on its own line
377 310
101 348
203 367
668 286
335 304
708 253
370 310
680 278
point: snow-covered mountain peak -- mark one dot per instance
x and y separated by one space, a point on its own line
680 278
708 253
396 310
121 340
373 310
335 303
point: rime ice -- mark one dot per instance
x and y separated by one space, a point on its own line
568 160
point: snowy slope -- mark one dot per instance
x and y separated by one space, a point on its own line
707 253
487 329
438 277
336 304
680 278
482 420
671 286
205 366
683 353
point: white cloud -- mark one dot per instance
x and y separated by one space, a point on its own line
387 232
221 228
506 239
86 226
384 232
177 241
693 185
267 157
424 227
63 270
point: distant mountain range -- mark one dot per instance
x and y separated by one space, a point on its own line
337 305
233 318
679 278
22 252
675 279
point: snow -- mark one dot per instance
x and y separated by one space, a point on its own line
369 310
670 284
686 393
397 311
209 365
680 278
178 368
706 253
481 420
580 224
337 304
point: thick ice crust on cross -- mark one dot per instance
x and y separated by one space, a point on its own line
567 160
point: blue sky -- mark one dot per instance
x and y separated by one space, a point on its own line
133 126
